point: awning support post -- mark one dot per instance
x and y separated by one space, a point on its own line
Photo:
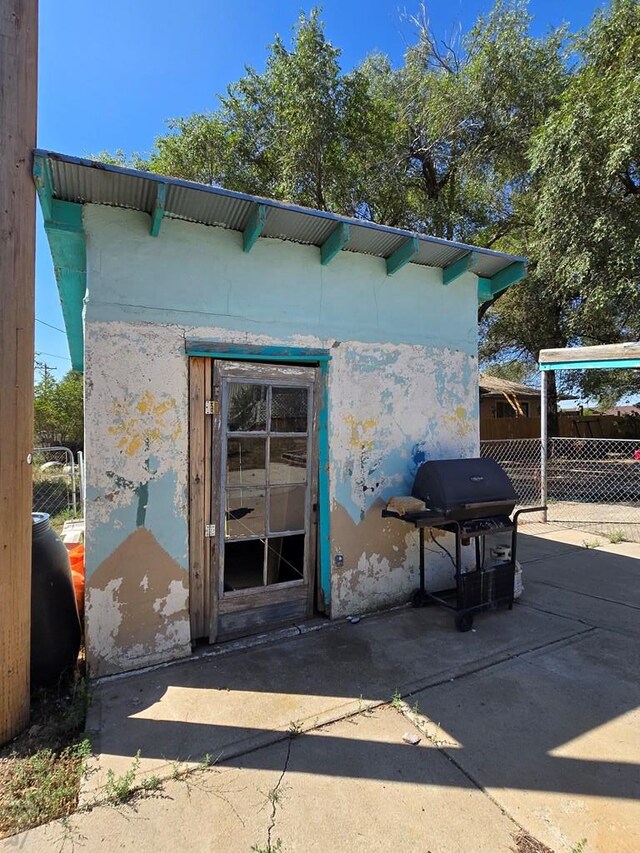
544 441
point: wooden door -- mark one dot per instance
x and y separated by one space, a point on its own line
263 480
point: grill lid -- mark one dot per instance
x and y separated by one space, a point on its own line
465 487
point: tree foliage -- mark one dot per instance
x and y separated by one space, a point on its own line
529 144
438 145
584 243
58 411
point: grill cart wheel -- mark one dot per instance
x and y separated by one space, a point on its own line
420 598
464 621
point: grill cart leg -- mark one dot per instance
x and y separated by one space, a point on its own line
420 597
464 621
459 587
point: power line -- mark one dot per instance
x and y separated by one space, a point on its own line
38 320
52 355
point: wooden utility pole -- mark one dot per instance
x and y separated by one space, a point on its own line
18 98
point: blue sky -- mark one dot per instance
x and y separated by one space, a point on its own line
110 73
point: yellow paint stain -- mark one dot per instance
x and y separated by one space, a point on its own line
139 423
357 439
460 423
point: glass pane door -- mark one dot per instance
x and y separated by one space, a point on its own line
266 438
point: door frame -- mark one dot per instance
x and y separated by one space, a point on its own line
257 599
200 355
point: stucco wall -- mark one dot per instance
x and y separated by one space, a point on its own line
402 388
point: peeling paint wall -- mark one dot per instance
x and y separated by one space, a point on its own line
402 388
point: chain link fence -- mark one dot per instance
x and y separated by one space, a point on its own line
593 484
55 481
520 458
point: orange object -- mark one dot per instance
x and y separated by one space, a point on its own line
76 559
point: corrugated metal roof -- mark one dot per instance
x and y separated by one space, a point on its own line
85 181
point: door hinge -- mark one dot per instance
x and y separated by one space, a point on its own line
212 407
209 530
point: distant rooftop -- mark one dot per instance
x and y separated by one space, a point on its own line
496 385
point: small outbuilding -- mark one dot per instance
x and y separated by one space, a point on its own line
259 379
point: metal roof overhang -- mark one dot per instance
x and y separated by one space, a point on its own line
65 183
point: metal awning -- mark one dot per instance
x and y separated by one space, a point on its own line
65 183
601 357
84 181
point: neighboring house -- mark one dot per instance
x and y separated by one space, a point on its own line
501 398
260 378
623 411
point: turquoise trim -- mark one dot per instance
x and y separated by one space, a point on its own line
402 256
335 243
490 287
509 275
467 263
158 210
253 228
609 364
324 508
65 233
484 290
44 185
216 349
294 355
298 359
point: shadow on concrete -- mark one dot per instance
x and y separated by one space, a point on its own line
525 684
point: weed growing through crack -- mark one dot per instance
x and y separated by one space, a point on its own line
150 783
396 700
615 537
591 543
294 728
270 848
43 787
274 796
119 789
579 847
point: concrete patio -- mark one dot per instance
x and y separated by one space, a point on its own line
530 722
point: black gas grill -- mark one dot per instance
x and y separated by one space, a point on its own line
471 498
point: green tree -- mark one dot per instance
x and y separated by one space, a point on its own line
584 238
499 138
437 145
470 109
294 131
59 411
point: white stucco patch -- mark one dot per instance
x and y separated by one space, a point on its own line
103 618
174 601
176 635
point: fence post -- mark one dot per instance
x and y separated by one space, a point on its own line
544 439
73 484
81 478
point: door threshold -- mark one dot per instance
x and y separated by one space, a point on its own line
317 623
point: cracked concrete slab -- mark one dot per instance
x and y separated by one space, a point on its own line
575 605
351 786
228 705
553 738
534 718
222 808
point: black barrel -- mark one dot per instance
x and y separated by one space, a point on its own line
55 626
